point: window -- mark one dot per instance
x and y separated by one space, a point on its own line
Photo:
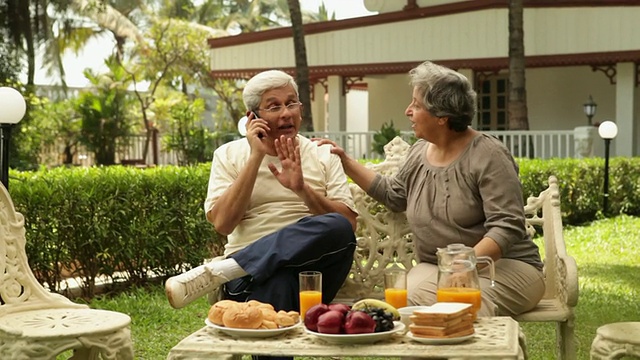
493 97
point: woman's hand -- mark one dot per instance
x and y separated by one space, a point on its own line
335 149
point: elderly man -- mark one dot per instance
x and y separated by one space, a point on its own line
282 200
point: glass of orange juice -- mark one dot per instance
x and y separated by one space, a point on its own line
395 286
310 290
461 294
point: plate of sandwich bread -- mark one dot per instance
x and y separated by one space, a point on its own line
442 323
251 319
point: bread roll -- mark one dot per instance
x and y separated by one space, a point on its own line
268 314
249 317
217 310
266 324
266 306
254 303
294 315
283 319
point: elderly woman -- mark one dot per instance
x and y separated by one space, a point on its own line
458 185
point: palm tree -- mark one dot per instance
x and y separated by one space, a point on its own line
302 69
517 108
24 28
116 18
49 24
9 64
250 15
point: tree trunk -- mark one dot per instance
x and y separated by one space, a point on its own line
517 108
27 33
302 69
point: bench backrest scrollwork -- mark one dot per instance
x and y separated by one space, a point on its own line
19 288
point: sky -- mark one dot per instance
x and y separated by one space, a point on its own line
96 51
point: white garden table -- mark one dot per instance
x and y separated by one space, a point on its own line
495 338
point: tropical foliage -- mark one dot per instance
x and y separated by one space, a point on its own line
159 52
382 137
105 112
187 136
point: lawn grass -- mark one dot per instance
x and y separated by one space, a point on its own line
606 252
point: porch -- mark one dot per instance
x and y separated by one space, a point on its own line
539 144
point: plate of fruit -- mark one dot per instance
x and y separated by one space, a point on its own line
366 322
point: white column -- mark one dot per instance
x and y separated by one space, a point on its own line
337 104
318 108
626 141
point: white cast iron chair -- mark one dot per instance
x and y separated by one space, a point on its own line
38 324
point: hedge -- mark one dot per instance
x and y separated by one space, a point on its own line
114 221
136 223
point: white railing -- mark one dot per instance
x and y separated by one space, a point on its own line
525 144
541 144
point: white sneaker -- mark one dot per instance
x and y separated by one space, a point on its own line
183 289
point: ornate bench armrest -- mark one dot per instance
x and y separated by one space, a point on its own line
567 277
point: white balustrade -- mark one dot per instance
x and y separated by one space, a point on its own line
525 144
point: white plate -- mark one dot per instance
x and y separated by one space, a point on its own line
438 341
251 333
358 338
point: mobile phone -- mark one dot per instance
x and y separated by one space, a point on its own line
255 116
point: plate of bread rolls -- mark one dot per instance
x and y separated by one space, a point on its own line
251 319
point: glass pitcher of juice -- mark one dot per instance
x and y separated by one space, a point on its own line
458 277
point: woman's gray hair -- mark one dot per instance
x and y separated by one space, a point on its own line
261 83
445 93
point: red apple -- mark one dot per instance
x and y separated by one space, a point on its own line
359 322
312 315
343 308
331 322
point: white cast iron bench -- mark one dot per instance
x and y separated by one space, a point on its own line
383 234
39 325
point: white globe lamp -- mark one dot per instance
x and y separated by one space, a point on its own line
608 130
13 107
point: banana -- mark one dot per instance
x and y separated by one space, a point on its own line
376 303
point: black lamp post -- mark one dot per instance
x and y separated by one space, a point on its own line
12 109
589 109
608 131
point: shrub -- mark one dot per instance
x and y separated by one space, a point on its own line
101 221
112 220
581 185
386 133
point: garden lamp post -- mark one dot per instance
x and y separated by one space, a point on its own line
589 109
607 130
12 109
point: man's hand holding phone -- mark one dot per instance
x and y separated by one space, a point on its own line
256 127
255 116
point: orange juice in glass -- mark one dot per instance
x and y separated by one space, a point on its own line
396 297
310 290
395 286
308 299
464 295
